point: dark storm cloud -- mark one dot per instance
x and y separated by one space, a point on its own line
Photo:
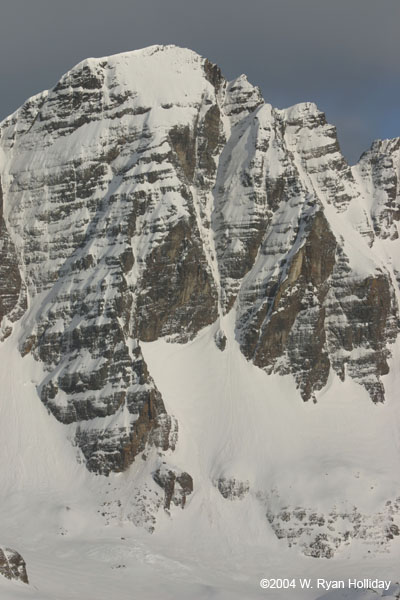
341 54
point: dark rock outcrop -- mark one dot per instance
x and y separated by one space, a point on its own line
12 290
178 296
231 488
378 169
321 535
291 322
12 565
177 485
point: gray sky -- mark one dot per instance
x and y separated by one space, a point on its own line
342 54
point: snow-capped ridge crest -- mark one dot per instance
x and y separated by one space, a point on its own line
301 109
176 53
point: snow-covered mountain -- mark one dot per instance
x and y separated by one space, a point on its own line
204 296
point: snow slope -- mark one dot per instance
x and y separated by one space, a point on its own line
216 547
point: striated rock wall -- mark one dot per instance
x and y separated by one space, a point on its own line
12 289
321 535
379 171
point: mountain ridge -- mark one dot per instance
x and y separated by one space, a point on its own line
224 196
161 226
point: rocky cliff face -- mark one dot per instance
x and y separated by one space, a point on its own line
12 289
144 196
379 171
293 242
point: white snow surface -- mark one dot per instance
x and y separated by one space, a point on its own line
234 421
